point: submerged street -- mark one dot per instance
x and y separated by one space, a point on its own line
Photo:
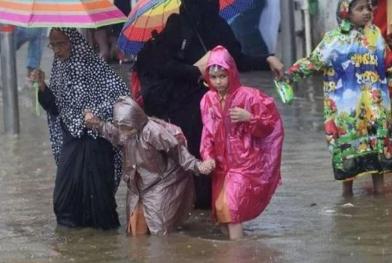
306 221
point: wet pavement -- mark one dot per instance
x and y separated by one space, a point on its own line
306 221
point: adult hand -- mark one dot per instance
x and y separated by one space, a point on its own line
202 63
91 120
38 76
276 66
239 115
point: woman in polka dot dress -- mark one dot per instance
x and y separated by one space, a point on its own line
88 168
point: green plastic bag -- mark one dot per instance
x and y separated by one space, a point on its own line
285 91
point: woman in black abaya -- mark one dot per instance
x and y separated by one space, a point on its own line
172 86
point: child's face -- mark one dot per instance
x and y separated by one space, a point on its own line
125 132
360 13
219 80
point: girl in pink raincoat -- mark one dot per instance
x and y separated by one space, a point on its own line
243 134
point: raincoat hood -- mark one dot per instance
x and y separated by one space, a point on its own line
220 56
127 112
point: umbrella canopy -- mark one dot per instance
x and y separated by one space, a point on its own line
60 13
150 15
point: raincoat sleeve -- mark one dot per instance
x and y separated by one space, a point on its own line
207 139
162 140
319 58
177 70
48 101
264 116
109 132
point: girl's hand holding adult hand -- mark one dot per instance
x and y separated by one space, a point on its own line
38 76
239 115
207 166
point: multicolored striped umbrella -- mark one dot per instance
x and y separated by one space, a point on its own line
60 13
149 15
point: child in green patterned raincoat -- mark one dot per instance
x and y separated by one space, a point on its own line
356 97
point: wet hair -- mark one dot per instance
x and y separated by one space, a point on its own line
215 68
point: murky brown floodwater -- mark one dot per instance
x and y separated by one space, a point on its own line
307 220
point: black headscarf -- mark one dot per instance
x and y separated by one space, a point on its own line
199 10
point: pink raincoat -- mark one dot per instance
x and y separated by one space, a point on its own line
247 154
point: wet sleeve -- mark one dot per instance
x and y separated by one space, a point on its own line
109 132
249 63
48 101
186 160
264 117
319 58
207 141
178 70
163 141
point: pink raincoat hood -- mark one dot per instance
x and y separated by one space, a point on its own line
220 56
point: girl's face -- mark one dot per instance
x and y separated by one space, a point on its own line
360 13
60 45
220 80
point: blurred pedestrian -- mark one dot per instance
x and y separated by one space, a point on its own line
35 37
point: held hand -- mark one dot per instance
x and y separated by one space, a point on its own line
91 120
239 115
38 76
206 167
276 66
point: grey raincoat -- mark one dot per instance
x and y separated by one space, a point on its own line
157 166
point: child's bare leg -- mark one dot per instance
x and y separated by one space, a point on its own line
235 231
137 225
378 183
348 188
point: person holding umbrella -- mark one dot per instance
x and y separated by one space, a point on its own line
87 165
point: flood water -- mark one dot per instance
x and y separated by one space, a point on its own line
306 221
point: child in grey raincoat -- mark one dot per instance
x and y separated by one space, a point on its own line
156 167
